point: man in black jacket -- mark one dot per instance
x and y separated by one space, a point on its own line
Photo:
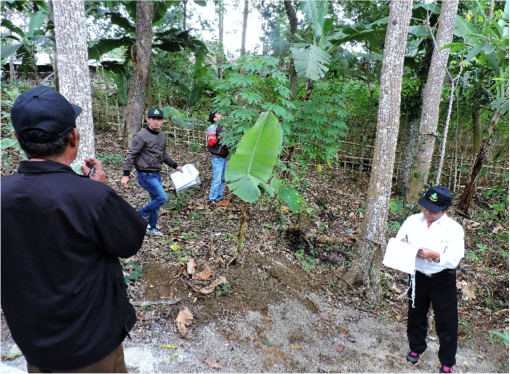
147 154
63 292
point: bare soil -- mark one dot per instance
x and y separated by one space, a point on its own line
282 307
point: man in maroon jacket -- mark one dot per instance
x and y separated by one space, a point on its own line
219 154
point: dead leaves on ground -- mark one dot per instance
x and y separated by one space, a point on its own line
184 319
189 269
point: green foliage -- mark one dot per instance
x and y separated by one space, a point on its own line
111 158
25 45
500 194
222 289
252 85
396 206
134 272
251 166
500 336
318 126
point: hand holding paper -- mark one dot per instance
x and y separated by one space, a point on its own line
400 256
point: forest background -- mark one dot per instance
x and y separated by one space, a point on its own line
320 72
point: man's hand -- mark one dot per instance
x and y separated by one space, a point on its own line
178 168
93 163
427 253
124 181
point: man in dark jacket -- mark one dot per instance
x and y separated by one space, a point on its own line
219 154
63 292
148 153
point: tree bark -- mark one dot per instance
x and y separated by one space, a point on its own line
73 69
245 25
293 23
477 127
140 55
221 53
430 110
365 268
469 190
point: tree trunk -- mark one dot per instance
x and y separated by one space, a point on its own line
293 23
54 60
477 127
184 16
445 134
141 57
431 100
245 25
469 191
365 268
73 69
221 54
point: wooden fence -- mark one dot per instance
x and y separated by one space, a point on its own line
358 157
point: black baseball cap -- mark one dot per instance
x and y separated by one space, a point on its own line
436 199
43 108
155 112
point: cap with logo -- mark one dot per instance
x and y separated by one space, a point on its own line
436 199
155 112
45 109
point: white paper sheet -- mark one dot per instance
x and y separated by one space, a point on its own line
185 179
400 256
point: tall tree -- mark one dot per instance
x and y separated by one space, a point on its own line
366 267
293 23
141 57
432 96
73 68
246 11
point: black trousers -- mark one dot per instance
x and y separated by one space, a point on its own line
441 291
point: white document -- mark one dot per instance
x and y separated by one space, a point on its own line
400 256
185 179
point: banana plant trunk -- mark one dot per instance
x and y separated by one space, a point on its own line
242 227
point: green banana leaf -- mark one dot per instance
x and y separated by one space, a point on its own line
251 166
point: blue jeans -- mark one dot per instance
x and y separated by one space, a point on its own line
219 166
152 183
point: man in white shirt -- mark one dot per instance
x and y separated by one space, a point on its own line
441 247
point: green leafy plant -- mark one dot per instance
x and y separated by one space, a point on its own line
252 164
222 289
500 336
134 272
500 194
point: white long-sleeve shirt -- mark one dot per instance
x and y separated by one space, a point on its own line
444 236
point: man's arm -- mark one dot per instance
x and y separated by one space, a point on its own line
120 228
133 152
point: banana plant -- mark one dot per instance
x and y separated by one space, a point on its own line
23 44
251 166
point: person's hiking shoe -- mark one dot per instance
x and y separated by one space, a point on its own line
211 203
445 369
413 358
223 203
154 231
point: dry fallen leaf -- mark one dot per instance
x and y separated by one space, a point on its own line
210 288
213 365
204 274
184 318
190 266
467 293
296 346
338 347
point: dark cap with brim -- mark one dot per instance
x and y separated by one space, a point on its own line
436 199
155 113
45 109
